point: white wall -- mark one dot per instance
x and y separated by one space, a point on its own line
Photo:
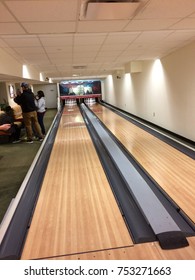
8 65
50 91
163 93
3 93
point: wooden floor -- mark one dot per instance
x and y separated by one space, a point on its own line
77 217
172 170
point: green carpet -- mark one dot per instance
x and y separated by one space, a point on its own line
15 161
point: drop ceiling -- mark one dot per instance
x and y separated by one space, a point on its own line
62 38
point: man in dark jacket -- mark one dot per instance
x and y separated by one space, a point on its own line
26 100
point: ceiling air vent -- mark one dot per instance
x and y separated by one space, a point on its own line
108 10
78 67
112 1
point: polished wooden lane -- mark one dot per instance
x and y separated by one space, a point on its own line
76 216
146 251
171 169
76 211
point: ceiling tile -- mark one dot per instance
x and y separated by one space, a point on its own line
35 59
169 9
104 59
64 67
114 47
5 15
29 50
188 23
152 36
149 24
47 67
60 55
22 41
101 26
33 11
56 40
11 28
84 49
82 60
13 53
49 27
3 44
181 35
109 54
89 39
60 61
58 50
121 37
49 34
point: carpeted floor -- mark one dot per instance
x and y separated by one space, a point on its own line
15 160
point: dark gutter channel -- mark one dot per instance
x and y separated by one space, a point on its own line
138 228
123 196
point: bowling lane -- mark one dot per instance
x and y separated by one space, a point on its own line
171 169
76 211
144 251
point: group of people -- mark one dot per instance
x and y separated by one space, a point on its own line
33 110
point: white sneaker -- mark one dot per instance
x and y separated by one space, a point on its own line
29 141
16 141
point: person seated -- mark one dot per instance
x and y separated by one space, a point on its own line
8 118
5 127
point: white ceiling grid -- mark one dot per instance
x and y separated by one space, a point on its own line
50 35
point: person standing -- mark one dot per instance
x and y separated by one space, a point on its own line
40 105
25 99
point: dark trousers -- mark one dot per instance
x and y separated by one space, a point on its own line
16 135
40 117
